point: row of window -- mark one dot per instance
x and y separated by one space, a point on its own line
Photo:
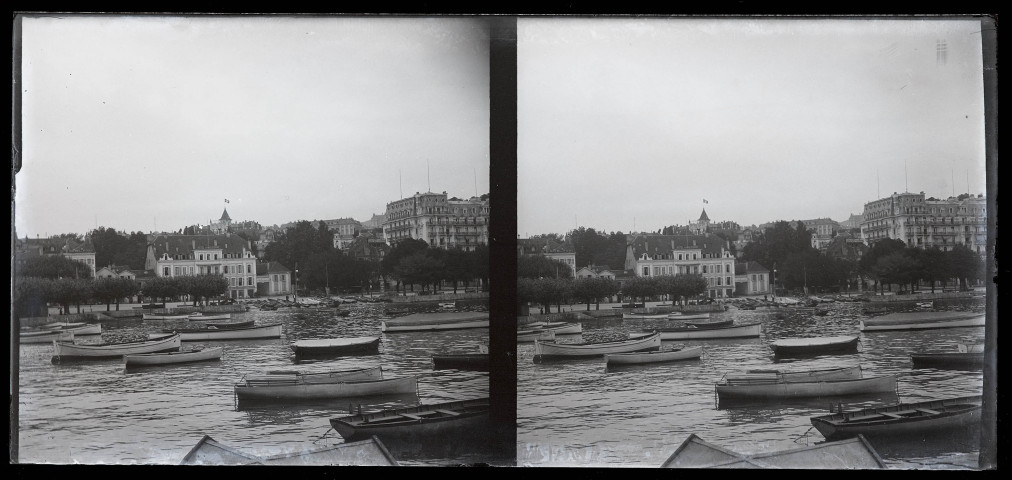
237 281
717 280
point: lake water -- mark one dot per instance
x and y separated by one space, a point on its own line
95 412
578 413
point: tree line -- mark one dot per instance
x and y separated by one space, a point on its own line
546 282
410 263
45 280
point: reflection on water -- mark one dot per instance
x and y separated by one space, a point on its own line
277 413
156 415
580 413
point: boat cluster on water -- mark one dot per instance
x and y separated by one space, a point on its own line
904 420
292 387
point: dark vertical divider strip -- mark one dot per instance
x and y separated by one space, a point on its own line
502 231
988 458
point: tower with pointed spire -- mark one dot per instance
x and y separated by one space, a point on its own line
702 225
223 223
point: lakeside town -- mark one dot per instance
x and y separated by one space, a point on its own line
900 245
721 345
420 245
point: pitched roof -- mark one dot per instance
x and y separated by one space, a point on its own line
271 267
703 216
224 215
185 244
653 244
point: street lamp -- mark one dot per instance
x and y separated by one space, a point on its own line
296 283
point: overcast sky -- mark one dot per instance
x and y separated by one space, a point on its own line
150 123
632 123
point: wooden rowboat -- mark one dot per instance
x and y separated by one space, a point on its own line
210 326
424 421
558 328
45 337
922 321
368 452
461 361
157 316
814 345
527 336
62 325
330 347
421 322
711 324
850 454
793 376
644 316
209 332
294 386
916 421
691 353
967 357
201 317
552 349
688 316
69 351
748 330
776 388
170 358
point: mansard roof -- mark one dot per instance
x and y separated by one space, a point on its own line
653 244
186 244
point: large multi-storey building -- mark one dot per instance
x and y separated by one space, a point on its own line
823 230
649 255
228 255
926 223
439 221
344 230
83 252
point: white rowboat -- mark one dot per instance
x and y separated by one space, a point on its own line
688 316
749 330
45 337
201 317
653 357
559 328
553 349
644 316
69 351
169 358
527 336
157 316
299 389
249 333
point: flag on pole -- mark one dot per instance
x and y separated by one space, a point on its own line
704 201
226 200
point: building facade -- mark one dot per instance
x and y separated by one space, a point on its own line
650 255
928 222
439 221
345 230
83 252
273 278
228 255
751 279
823 230
222 225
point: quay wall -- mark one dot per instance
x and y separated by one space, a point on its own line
919 297
442 297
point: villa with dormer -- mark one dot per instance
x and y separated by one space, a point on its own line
228 255
652 255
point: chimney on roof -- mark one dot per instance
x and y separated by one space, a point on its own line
193 243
